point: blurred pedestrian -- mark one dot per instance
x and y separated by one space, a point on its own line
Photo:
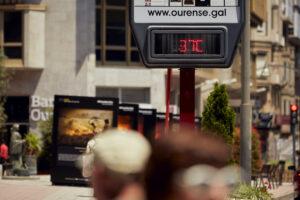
3 152
117 162
188 166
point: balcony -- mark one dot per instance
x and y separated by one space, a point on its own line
283 122
288 11
26 49
272 74
258 11
294 29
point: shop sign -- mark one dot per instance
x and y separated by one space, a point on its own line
40 108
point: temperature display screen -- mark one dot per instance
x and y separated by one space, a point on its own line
185 45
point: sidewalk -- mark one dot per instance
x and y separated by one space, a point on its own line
284 192
41 190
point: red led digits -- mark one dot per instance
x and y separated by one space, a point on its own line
196 44
183 46
190 45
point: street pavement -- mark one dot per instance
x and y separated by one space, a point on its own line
284 192
43 190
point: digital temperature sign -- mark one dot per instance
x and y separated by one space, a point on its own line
187 33
188 45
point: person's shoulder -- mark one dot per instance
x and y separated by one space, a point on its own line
92 142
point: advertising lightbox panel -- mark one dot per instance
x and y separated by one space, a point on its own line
76 120
187 33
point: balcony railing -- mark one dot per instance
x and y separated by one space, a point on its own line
259 11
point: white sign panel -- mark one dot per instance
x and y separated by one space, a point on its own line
187 11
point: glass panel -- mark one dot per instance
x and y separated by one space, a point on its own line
98 55
98 2
136 95
98 27
13 52
115 25
107 92
17 109
133 44
12 27
135 56
112 55
116 2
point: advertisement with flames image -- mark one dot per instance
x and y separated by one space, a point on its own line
128 117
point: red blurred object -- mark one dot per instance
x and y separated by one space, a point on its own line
294 108
168 96
187 97
4 151
297 185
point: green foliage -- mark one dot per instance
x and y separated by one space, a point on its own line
256 150
218 116
4 81
46 130
251 193
33 144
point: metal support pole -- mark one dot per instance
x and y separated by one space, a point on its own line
187 97
168 94
246 107
293 131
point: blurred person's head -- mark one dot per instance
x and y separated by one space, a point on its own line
167 175
119 159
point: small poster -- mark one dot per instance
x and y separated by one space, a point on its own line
147 123
187 11
161 125
128 117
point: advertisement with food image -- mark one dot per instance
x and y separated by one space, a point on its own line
78 126
76 121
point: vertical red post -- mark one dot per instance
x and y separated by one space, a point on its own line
187 97
168 96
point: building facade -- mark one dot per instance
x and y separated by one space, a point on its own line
85 48
274 54
71 47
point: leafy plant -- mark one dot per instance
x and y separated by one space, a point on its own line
46 130
256 150
33 144
4 81
251 193
218 116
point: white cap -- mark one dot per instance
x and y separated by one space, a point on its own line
122 151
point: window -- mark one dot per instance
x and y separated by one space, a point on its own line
11 37
114 42
262 69
126 95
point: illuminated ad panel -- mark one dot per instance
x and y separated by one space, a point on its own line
176 11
